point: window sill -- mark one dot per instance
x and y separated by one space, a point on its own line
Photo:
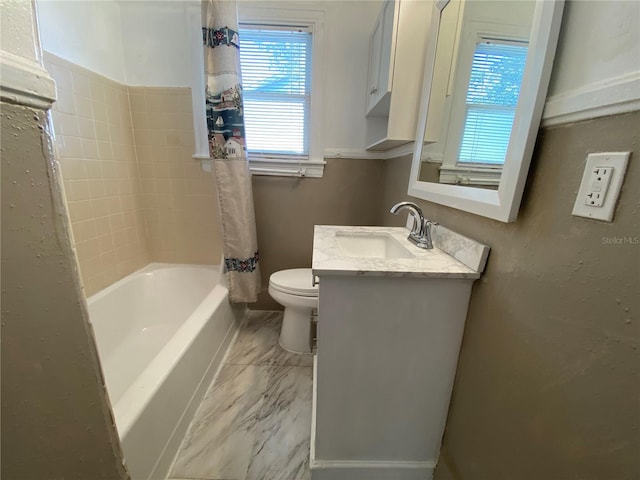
275 166
457 175
286 167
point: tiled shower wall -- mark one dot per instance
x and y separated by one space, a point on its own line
134 193
94 139
180 203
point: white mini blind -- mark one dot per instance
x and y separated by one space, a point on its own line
276 82
492 97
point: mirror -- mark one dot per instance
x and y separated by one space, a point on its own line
486 75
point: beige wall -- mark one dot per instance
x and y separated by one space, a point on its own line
180 201
95 146
288 208
547 381
56 420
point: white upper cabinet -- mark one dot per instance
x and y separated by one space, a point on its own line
397 48
381 56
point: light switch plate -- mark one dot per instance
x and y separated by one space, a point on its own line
606 190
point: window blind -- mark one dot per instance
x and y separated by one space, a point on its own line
276 81
492 97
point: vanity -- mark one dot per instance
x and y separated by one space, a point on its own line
391 315
390 323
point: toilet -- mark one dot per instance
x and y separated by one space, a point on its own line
293 290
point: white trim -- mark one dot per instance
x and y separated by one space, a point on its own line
354 153
287 168
609 97
371 465
395 152
25 82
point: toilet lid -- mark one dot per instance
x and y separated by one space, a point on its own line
296 281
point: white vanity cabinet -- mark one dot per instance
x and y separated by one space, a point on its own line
389 333
397 47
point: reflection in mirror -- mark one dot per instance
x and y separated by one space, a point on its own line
486 75
480 58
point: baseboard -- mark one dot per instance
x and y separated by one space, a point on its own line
371 470
360 469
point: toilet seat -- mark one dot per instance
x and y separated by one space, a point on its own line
296 281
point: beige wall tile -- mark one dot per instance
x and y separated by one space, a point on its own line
135 194
138 103
65 102
84 231
84 109
105 152
89 149
99 111
98 94
78 190
68 124
81 84
73 169
88 249
70 147
94 137
90 267
103 225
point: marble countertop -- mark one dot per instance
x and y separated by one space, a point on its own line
434 263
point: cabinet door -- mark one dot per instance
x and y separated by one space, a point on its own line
381 60
375 58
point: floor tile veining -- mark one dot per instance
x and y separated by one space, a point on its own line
254 422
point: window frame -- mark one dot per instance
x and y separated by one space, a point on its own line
290 165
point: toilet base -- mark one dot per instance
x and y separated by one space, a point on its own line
295 334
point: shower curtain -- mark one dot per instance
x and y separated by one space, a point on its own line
227 148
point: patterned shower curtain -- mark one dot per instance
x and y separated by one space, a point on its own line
225 124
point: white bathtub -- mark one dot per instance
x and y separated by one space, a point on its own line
161 334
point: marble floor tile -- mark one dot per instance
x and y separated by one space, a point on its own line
257 343
254 422
220 439
281 447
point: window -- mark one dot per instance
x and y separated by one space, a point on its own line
492 96
279 91
276 81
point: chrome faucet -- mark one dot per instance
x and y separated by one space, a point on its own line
421 231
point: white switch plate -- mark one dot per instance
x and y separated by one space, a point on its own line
600 186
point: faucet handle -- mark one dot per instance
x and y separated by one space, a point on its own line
428 225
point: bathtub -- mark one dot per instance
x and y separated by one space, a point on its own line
161 334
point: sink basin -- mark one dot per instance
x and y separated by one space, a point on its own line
370 245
